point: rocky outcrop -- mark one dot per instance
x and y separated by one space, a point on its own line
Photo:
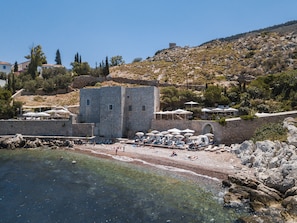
246 57
272 190
18 141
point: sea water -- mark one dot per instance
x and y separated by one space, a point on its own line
46 186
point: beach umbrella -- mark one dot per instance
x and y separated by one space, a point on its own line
191 103
218 110
182 111
174 130
164 132
209 134
155 131
43 114
139 134
30 114
150 134
188 131
205 110
169 135
188 134
194 137
179 136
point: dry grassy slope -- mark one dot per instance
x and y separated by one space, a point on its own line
68 99
217 61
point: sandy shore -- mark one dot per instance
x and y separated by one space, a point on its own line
216 165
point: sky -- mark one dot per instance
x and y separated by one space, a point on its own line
131 29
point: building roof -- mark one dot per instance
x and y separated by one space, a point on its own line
4 63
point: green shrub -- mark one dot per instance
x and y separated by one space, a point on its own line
247 117
222 121
270 131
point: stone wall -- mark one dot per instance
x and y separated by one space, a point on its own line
61 127
83 129
234 131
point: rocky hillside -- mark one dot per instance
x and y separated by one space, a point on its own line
251 54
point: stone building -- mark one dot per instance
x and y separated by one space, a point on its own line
118 111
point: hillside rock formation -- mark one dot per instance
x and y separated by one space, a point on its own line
272 191
238 59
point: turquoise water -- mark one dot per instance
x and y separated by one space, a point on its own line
40 186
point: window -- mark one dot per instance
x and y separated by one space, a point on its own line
4 67
143 107
110 107
130 108
88 102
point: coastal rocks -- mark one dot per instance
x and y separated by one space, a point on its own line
18 141
272 190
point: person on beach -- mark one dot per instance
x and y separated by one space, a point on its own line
173 154
116 150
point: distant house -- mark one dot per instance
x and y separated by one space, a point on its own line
5 67
23 66
48 66
118 111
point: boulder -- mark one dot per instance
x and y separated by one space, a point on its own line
277 181
290 204
13 142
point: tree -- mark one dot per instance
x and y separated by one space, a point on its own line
106 68
169 98
213 95
77 58
138 59
58 57
6 110
81 68
37 58
15 67
116 60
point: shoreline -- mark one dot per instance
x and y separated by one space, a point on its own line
212 165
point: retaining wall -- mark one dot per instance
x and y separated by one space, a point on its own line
234 131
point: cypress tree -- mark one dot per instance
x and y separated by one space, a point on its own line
16 67
106 66
58 57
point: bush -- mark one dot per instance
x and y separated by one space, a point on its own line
222 121
270 131
247 117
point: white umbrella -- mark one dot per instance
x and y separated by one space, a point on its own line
30 114
217 110
43 114
164 132
150 134
182 111
169 135
188 131
173 130
191 103
194 137
209 134
155 131
139 134
188 134
205 110
179 136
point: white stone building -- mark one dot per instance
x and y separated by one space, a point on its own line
119 111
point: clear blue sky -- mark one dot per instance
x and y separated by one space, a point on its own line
132 28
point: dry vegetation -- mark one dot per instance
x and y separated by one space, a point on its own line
68 99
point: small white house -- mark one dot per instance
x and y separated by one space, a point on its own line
5 67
